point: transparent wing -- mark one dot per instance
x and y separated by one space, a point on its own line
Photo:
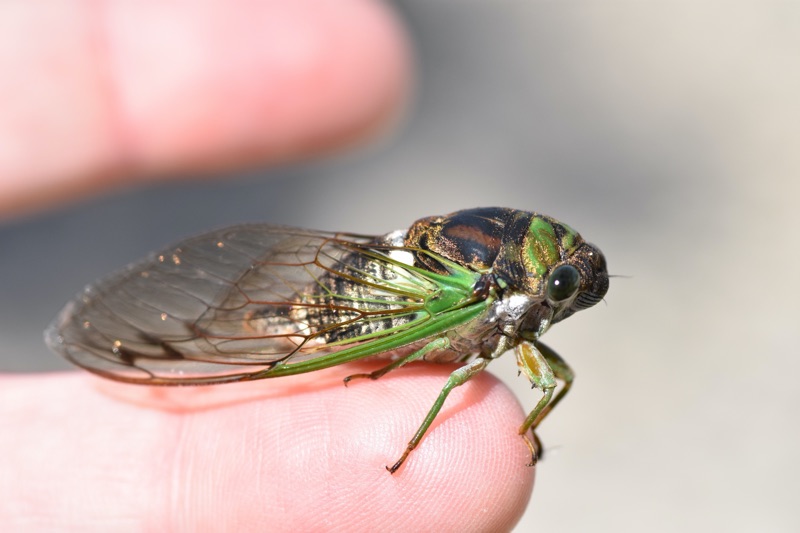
233 303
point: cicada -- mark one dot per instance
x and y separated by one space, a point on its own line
262 301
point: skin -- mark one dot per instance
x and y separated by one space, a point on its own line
298 453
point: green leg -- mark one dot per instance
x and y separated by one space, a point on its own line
457 378
562 371
542 366
442 343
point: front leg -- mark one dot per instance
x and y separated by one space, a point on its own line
542 366
562 372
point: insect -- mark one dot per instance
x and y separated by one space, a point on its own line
262 301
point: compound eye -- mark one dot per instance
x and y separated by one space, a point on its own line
563 283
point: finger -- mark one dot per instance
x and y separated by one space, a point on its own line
93 94
303 456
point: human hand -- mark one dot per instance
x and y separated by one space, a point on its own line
300 453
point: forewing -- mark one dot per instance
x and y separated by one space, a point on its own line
233 303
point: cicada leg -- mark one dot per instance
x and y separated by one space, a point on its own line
542 366
441 343
562 371
457 377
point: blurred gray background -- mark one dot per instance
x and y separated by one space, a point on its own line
666 133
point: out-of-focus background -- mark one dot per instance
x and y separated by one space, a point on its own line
668 133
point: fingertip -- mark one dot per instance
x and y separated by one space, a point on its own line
469 471
297 453
319 450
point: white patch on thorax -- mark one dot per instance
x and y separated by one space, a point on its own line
513 307
402 256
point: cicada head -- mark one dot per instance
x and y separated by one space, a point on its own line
552 264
